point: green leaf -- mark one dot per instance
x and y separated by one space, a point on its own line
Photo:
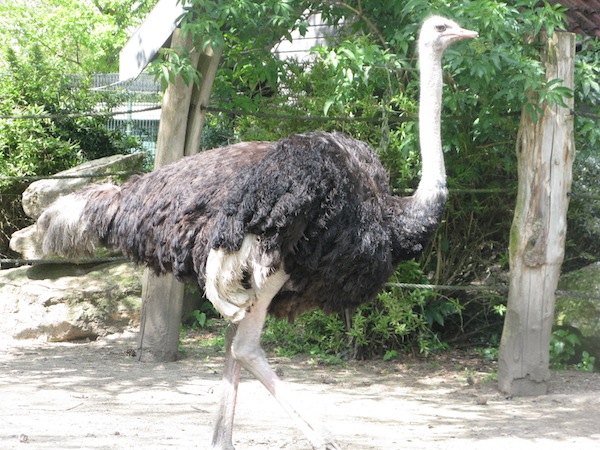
327 105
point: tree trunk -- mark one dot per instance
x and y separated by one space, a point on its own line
545 151
162 296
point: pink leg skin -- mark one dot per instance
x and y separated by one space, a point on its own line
246 352
222 436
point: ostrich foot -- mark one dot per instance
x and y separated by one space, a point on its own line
222 447
324 441
221 443
329 446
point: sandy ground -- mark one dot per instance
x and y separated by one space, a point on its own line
95 396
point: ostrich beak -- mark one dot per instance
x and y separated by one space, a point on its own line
461 33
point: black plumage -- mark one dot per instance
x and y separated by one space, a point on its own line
319 203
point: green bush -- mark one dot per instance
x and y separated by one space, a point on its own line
566 350
398 320
34 86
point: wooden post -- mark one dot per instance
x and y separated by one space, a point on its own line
545 151
207 66
162 296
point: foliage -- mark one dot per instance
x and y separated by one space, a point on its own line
204 317
583 245
247 29
198 318
316 333
398 320
85 36
563 345
587 362
584 213
34 85
565 349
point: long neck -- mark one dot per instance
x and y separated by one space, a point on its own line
433 172
414 219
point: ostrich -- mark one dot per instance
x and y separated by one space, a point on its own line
271 228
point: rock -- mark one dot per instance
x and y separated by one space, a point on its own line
61 302
580 312
69 302
27 243
40 194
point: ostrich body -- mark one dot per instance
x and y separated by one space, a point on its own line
280 228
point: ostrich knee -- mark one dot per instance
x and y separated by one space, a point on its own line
248 355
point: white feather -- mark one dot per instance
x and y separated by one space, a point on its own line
225 273
63 226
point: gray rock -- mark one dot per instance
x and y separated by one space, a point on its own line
40 194
578 312
69 302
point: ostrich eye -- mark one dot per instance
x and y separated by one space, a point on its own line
441 28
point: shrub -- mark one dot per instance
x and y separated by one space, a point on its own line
34 86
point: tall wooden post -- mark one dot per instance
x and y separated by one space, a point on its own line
545 151
162 296
207 66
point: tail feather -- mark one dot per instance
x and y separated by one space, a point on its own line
66 227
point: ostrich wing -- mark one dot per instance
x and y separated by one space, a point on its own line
314 205
164 218
297 191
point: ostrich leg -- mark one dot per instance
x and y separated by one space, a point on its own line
222 436
248 353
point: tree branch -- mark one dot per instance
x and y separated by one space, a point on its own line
370 24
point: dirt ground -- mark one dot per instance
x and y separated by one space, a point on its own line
94 396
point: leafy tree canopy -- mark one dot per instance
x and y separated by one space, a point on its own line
49 48
86 35
369 71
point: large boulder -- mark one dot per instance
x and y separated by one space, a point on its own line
68 302
41 194
579 312
64 302
27 243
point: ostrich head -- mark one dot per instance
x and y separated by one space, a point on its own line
438 33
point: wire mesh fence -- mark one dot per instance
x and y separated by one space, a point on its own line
139 113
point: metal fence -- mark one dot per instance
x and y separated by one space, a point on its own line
139 109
